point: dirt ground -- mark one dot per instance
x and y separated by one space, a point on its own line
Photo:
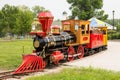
108 59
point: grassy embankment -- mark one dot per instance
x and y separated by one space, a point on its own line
80 74
11 53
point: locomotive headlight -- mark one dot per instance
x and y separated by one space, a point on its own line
36 44
33 27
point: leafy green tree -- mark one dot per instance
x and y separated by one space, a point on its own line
100 15
9 14
1 26
23 21
116 23
85 9
36 9
15 20
23 8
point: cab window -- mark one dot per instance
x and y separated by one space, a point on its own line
83 29
87 29
76 26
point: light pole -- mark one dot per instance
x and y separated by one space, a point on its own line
113 18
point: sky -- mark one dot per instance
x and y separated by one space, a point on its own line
58 6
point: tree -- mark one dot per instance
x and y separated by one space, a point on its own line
1 26
15 20
23 21
36 9
85 9
8 18
116 23
100 15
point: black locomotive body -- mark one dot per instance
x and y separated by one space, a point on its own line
52 42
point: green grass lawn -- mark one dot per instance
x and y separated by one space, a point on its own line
11 53
80 74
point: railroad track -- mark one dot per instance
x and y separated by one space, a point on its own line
5 75
8 74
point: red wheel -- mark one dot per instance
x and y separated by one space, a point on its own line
56 62
71 52
80 52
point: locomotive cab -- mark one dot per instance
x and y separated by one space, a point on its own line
80 28
84 32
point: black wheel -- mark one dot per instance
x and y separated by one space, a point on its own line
100 49
91 52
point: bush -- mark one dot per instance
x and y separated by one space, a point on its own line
113 35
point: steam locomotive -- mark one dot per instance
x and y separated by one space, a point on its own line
51 44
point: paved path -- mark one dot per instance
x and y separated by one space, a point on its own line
108 59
